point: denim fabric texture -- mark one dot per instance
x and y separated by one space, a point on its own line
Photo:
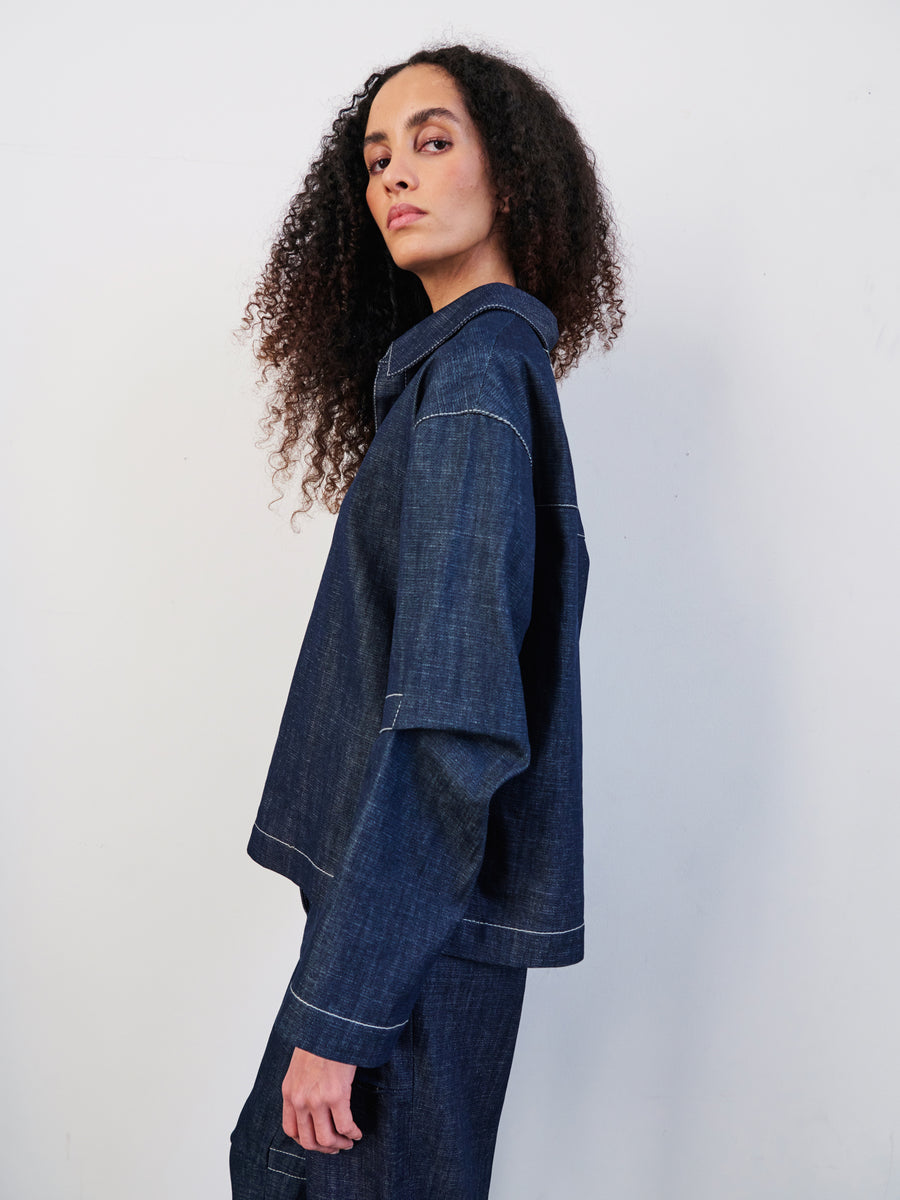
425 787
428 1116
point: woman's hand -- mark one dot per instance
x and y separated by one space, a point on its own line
316 1110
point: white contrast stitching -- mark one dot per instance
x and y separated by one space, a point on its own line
456 328
288 1153
482 413
338 1016
295 849
289 1174
385 728
375 400
498 306
515 928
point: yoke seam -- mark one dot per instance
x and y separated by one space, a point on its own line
481 412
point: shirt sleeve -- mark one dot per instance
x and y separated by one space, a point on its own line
453 730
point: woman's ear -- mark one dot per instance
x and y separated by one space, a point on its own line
503 204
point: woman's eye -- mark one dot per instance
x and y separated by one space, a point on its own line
377 165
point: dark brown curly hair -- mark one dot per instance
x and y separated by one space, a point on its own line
330 301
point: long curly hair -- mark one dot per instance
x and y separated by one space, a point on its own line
330 301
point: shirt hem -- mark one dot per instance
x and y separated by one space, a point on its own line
501 940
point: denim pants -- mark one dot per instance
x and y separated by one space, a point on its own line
428 1116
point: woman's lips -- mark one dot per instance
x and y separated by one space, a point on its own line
403 214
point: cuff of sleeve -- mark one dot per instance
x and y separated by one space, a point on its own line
333 1036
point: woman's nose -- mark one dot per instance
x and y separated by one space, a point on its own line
399 173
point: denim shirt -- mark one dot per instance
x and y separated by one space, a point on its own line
425 787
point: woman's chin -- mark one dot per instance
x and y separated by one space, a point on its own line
406 260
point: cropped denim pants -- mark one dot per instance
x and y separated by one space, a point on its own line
428 1116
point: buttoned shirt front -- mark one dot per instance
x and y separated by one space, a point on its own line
425 787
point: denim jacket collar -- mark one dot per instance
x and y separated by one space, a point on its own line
408 351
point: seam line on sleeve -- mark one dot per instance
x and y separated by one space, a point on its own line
296 850
516 929
337 1016
481 412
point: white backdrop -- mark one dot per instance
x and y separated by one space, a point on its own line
733 1030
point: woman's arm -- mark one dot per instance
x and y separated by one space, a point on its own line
453 730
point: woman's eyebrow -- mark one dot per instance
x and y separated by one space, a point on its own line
417 118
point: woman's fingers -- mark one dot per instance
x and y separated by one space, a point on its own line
316 1103
289 1119
343 1120
301 1125
327 1136
308 1139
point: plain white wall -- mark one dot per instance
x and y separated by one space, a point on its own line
733 1030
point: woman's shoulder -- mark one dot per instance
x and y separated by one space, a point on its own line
496 361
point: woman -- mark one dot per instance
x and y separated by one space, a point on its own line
451 252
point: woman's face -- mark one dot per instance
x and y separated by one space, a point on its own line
429 190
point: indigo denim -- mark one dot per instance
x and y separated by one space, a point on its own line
428 1116
425 786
